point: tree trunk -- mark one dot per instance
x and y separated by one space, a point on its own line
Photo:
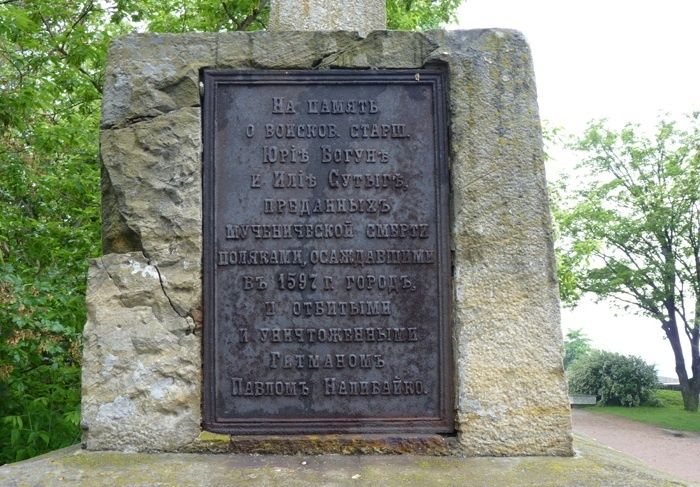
689 386
691 404
690 398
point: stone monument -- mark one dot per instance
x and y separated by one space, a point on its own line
336 234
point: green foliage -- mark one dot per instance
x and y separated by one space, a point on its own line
668 414
51 58
571 255
613 378
194 15
419 14
230 15
52 55
630 230
576 346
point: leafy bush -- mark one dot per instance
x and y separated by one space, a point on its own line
49 226
49 215
613 378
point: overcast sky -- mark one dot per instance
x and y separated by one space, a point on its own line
622 60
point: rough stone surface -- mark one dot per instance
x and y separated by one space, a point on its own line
323 15
383 49
510 389
595 465
146 76
511 394
153 173
276 50
141 364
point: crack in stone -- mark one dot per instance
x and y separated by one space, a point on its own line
321 64
109 274
120 295
326 61
131 121
162 287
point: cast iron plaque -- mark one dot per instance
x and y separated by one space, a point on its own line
326 259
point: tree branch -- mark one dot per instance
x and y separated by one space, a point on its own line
248 20
88 8
628 254
14 65
641 301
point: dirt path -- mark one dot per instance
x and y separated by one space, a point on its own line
658 448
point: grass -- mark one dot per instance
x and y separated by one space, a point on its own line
671 415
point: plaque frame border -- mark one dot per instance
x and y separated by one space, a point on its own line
434 74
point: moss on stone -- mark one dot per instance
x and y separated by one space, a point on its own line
208 436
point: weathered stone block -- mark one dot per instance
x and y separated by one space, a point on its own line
146 76
383 50
153 174
141 363
324 15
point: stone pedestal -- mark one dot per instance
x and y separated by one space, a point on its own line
142 365
325 15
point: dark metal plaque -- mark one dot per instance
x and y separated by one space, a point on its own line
326 259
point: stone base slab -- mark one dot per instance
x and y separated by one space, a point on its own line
595 465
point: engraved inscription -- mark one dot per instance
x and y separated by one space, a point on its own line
328 361
356 156
239 387
300 131
337 335
290 231
339 107
326 255
328 205
351 257
396 387
341 308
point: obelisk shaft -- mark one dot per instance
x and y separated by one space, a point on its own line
323 15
